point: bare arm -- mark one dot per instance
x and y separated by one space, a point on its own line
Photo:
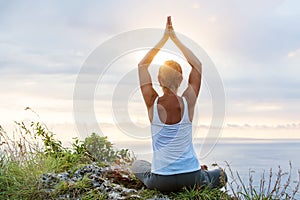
149 94
192 91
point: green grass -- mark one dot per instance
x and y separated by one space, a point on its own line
206 193
23 161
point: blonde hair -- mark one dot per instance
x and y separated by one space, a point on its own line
170 75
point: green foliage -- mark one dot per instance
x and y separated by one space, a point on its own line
94 194
187 194
22 162
75 188
147 194
102 150
52 146
24 177
78 147
199 194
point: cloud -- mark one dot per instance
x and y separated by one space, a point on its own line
294 54
264 126
50 37
254 44
46 87
18 59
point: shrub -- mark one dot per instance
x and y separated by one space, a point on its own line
102 150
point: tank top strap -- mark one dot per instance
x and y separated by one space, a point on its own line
185 116
155 116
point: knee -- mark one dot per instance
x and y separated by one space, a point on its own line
140 166
134 166
218 178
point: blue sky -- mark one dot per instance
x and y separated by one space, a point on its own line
254 45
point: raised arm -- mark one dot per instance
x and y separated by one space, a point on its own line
148 91
192 91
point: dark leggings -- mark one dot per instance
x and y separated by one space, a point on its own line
172 183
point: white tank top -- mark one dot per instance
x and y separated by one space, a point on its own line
173 151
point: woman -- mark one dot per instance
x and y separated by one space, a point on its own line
174 164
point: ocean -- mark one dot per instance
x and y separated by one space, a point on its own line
246 156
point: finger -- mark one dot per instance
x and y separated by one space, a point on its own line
169 20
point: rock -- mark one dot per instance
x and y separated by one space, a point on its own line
164 197
106 180
48 180
115 195
63 176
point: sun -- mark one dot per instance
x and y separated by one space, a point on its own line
160 57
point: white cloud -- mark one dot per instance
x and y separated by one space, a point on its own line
265 126
294 54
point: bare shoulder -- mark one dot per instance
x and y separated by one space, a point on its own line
191 99
149 94
190 96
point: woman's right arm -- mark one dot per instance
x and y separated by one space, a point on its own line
149 94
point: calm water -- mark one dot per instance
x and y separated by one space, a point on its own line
243 156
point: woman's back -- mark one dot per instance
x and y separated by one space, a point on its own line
170 109
173 151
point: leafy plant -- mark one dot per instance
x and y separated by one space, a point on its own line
79 146
102 150
53 147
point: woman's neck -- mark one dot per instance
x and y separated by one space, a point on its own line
169 92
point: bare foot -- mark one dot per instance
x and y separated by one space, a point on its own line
204 167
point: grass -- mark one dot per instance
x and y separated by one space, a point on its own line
33 151
271 186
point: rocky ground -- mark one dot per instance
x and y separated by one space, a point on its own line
114 182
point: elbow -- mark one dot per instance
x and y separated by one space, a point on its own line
196 65
200 67
142 65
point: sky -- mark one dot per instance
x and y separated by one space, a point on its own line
254 45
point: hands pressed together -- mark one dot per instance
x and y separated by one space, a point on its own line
169 31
